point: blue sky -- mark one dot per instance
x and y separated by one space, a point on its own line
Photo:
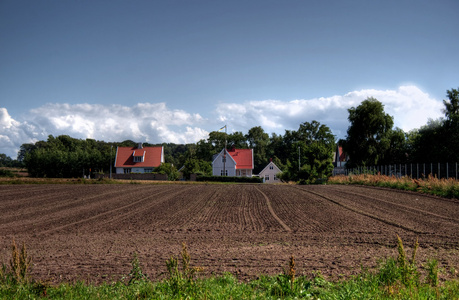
172 71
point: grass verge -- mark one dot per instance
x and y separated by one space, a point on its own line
431 185
396 278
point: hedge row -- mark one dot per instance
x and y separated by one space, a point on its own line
230 179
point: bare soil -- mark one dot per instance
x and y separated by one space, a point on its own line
91 232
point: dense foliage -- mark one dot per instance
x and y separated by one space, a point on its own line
372 140
64 156
230 179
310 153
6 161
368 136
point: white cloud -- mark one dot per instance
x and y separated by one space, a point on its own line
410 107
156 123
13 134
143 122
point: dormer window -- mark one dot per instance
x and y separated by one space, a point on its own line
138 157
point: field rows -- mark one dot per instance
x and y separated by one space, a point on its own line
94 229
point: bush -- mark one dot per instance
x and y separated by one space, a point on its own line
6 173
230 179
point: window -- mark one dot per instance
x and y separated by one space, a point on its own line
148 170
127 170
271 167
275 177
266 177
138 158
226 173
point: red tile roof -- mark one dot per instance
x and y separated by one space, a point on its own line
125 158
242 157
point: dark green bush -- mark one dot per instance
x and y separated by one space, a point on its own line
230 179
6 173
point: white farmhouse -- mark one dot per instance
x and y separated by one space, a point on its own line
269 173
233 162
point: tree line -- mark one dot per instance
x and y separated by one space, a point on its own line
304 155
371 139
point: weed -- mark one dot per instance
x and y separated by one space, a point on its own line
388 275
432 272
19 263
188 271
287 284
291 271
136 275
178 280
429 185
408 269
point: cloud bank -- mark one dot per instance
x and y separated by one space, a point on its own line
156 123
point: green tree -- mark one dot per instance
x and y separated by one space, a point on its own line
397 152
197 166
368 136
217 140
205 150
168 169
64 156
438 140
5 161
451 126
258 140
451 109
237 139
311 154
24 149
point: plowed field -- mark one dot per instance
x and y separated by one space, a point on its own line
91 232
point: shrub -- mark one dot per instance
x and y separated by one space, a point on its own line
230 179
6 173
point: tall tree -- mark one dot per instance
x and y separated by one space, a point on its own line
451 126
438 141
368 136
311 153
237 139
258 141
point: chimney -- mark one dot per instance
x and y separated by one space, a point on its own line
139 146
270 159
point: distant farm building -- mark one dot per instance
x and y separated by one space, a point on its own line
138 159
233 162
270 172
339 160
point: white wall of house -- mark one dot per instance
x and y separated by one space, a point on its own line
269 173
229 166
244 172
134 170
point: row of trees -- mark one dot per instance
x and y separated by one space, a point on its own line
304 155
372 140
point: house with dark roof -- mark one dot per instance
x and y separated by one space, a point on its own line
138 159
233 162
339 161
340 158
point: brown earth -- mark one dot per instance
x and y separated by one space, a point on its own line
91 232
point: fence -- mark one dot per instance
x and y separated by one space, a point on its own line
418 170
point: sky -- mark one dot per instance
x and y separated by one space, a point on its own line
175 70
